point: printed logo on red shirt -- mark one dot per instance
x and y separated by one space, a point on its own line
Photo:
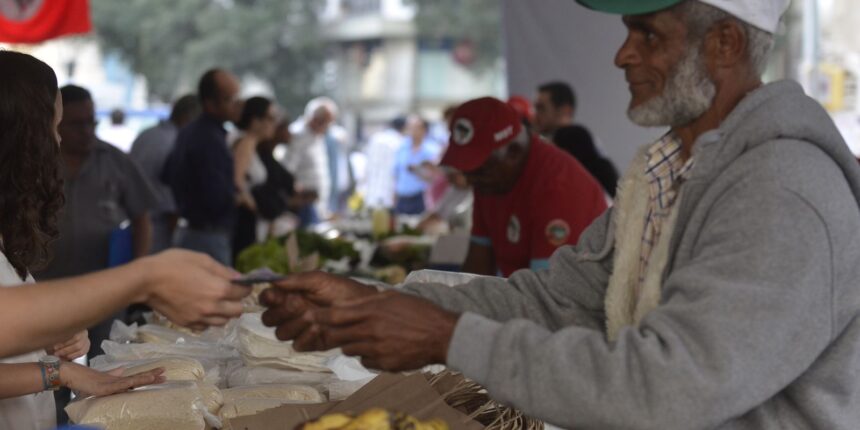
557 232
514 229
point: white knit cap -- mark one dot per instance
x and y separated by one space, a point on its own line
764 14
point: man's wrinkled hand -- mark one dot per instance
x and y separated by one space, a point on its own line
289 302
390 331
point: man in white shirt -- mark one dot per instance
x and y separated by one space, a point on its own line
381 155
319 159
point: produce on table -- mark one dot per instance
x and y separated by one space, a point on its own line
275 253
409 256
374 419
391 275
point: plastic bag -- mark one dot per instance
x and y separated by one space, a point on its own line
139 351
259 347
348 368
450 279
216 359
249 376
122 333
219 335
175 368
176 406
254 399
161 331
151 333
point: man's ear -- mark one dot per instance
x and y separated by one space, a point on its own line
725 45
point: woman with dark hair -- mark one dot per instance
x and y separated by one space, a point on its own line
188 288
278 201
257 123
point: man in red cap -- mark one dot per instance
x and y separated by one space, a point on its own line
530 197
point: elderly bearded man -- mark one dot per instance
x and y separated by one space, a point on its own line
720 292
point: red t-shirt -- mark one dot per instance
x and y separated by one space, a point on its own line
554 200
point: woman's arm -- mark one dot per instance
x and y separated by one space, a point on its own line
242 154
22 379
188 288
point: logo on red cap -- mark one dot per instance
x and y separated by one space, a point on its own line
504 133
463 131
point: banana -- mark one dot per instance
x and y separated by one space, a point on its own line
374 419
328 422
433 425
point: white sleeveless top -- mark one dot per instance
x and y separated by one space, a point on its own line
33 411
257 173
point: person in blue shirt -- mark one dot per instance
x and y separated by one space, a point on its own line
411 178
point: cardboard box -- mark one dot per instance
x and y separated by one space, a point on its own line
411 394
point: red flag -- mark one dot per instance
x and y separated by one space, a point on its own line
33 21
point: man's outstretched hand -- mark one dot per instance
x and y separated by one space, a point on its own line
290 301
389 331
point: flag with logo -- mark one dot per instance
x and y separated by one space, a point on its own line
34 21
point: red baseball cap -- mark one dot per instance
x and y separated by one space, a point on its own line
478 128
523 107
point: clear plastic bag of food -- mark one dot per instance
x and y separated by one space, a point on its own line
220 335
251 400
159 333
250 376
217 359
175 368
259 347
120 332
173 405
139 351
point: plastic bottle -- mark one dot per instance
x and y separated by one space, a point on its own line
381 223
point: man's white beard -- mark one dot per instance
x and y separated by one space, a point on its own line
688 94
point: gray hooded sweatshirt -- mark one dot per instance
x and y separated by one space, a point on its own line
757 326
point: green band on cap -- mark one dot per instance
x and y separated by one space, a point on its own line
628 7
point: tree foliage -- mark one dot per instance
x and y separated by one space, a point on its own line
172 42
477 21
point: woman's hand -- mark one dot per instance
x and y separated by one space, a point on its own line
191 289
89 382
72 349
